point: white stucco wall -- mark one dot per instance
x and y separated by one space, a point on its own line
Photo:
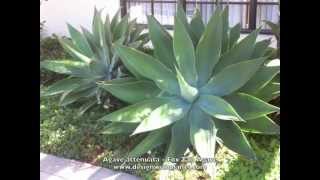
57 13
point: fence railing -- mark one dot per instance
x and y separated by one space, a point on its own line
249 13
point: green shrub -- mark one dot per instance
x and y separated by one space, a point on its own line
65 135
201 87
50 48
92 59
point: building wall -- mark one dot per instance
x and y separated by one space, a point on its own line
57 13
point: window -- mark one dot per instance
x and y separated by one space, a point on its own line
239 11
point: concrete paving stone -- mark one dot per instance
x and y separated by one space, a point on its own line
54 167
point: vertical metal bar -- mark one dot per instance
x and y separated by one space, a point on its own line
253 14
152 7
123 7
184 4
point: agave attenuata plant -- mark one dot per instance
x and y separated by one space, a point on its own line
199 88
93 59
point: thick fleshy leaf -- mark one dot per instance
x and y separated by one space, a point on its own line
232 137
131 91
203 135
209 49
162 42
75 68
67 84
225 30
68 46
121 28
184 53
71 97
135 113
108 32
275 28
218 108
181 15
150 68
234 35
197 25
232 77
90 38
80 41
188 92
269 92
250 107
261 48
96 24
164 115
263 76
119 128
85 107
261 125
99 32
242 51
127 65
151 141
114 21
179 139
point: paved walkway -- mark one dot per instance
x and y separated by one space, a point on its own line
55 168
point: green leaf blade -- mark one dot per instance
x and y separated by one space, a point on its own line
184 53
232 77
168 113
218 108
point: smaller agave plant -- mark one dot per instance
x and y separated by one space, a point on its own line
200 87
93 59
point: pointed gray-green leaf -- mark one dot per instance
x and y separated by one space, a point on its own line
114 21
80 41
218 108
250 107
67 84
181 15
85 107
67 45
135 113
234 35
119 128
242 51
97 26
66 67
232 137
188 92
164 115
131 91
203 137
90 38
150 68
184 53
126 62
75 96
260 48
121 28
275 28
269 92
225 30
263 76
232 77
108 33
162 42
179 139
197 25
261 125
209 49
151 141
